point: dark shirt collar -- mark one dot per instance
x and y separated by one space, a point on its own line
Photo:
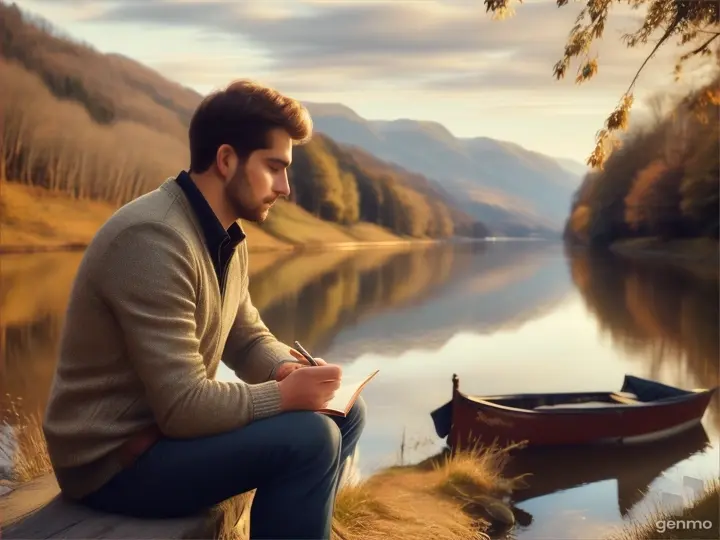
220 242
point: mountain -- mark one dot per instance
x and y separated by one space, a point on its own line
105 127
503 184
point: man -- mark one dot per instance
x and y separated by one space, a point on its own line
136 423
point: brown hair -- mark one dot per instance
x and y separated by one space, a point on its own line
241 115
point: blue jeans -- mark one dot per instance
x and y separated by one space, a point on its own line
293 460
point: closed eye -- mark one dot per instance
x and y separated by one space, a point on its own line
277 165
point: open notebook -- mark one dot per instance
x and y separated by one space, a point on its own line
345 397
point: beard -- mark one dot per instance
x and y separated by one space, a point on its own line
239 195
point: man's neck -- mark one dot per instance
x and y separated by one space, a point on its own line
211 189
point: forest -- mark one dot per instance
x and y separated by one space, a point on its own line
102 127
663 180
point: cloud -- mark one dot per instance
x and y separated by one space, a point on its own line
451 46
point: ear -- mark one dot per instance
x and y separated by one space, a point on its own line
226 161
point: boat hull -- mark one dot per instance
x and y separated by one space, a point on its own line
478 421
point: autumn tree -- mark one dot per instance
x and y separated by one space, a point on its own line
652 206
695 24
316 179
700 187
664 180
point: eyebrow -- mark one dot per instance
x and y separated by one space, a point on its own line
283 162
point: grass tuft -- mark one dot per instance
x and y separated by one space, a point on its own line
28 455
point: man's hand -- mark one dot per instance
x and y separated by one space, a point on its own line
300 358
309 389
285 369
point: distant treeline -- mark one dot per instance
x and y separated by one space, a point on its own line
348 185
65 128
662 182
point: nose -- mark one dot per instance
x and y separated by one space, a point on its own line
282 185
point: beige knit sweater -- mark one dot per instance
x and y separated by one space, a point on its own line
145 330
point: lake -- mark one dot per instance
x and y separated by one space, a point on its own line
513 316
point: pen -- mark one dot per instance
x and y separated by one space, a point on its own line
306 354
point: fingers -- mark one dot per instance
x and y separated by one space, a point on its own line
328 372
299 357
331 385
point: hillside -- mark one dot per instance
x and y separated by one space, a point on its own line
349 184
102 127
36 219
501 183
661 184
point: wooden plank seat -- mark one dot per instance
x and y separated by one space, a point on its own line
37 510
625 398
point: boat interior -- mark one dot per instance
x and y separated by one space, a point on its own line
634 391
539 402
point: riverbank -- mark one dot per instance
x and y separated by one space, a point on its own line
34 220
697 255
445 497
699 519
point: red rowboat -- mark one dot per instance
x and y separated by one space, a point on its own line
642 411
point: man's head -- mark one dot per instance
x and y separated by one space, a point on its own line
241 141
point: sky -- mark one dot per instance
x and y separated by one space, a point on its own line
445 61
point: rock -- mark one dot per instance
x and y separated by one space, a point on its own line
500 512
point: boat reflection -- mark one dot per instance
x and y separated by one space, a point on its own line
551 470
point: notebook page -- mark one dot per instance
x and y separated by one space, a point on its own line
343 396
345 393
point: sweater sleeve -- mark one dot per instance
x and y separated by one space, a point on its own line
149 279
252 351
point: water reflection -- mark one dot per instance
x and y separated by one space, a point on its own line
662 317
421 297
633 468
311 297
507 317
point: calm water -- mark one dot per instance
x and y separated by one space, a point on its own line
506 317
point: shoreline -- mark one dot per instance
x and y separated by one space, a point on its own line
29 249
286 247
35 220
697 256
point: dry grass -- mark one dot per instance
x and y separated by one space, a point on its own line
29 455
32 216
35 218
700 519
447 497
